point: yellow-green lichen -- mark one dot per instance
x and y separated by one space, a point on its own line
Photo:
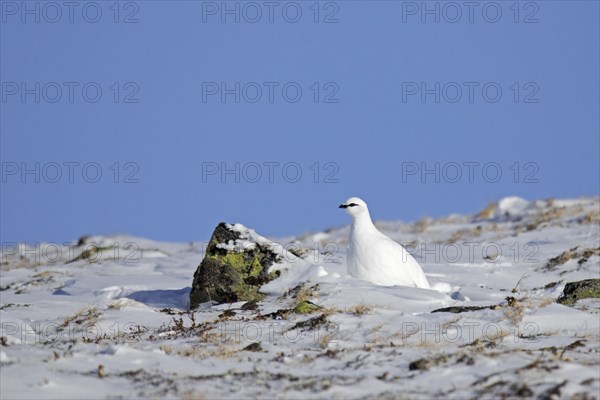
246 268
305 307
230 272
585 289
240 263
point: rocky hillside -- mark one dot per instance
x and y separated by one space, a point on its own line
515 313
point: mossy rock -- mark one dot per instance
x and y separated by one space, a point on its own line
588 288
228 275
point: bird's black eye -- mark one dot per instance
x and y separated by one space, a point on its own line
352 205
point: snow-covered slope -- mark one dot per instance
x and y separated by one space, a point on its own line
107 317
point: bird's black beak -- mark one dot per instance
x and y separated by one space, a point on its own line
343 206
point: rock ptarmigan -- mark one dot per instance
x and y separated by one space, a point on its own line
376 258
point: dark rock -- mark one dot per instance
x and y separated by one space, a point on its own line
424 364
169 311
83 240
460 309
552 285
553 392
227 314
228 275
250 306
573 291
278 315
253 347
576 344
508 390
310 323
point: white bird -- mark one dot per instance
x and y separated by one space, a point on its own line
376 258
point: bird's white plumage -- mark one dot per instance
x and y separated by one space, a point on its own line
376 258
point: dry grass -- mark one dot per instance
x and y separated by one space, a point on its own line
193 395
457 236
327 311
488 212
166 349
307 293
324 340
422 225
591 217
405 335
211 336
101 371
514 310
303 296
496 336
376 329
546 302
119 303
547 216
570 254
202 352
450 322
42 278
85 316
461 234
192 351
360 309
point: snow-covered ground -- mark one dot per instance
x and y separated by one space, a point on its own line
113 323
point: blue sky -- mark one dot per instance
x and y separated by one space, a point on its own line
161 98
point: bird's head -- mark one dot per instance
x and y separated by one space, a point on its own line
355 206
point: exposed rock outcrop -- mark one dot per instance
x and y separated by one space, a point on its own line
234 267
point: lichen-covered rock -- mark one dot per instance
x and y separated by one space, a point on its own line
235 266
585 289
